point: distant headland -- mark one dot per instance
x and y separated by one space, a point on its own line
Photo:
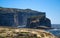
23 18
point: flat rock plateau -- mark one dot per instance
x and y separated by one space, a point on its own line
7 32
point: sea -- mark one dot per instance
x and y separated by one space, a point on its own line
56 29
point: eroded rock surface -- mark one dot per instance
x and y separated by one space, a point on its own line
24 33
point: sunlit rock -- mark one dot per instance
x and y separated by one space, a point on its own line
25 33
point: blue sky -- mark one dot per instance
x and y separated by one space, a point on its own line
51 7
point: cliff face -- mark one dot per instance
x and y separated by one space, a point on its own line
23 17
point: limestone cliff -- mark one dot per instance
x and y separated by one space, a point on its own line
23 17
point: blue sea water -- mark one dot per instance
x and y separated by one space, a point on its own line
56 26
56 30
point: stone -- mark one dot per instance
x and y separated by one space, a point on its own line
26 33
23 18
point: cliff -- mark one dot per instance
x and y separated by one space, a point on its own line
23 17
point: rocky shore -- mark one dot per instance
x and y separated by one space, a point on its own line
6 32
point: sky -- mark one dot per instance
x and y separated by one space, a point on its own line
51 7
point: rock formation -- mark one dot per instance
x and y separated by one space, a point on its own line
23 17
6 32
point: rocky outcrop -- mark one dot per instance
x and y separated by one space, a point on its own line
23 17
8 32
